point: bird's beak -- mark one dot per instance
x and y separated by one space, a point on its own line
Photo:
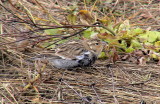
104 43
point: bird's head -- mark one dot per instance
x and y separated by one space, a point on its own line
95 45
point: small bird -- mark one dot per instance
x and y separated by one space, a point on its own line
77 53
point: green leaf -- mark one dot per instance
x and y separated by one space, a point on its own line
88 33
149 36
136 44
143 38
152 36
130 49
123 43
137 31
157 44
148 44
53 31
102 55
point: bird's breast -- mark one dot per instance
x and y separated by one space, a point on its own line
85 59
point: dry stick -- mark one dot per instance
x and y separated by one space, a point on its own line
55 26
15 15
32 23
36 36
16 41
52 26
39 29
94 25
65 26
35 25
46 12
140 83
65 37
31 20
4 96
36 30
84 99
115 99
96 94
114 34
25 39
59 85
3 22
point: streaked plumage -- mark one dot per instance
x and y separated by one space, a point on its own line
78 53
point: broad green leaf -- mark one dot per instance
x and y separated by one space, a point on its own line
148 44
53 31
158 36
137 31
88 33
135 44
157 44
152 36
149 36
130 49
143 38
154 56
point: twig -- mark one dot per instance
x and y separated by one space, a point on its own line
115 99
96 93
108 30
94 25
15 15
84 99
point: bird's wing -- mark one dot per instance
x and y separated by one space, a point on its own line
70 50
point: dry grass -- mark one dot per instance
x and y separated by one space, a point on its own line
121 83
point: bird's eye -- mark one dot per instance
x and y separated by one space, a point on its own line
96 43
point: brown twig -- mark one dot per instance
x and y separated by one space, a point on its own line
83 98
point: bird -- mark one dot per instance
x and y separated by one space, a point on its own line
76 53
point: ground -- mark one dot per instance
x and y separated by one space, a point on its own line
121 83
